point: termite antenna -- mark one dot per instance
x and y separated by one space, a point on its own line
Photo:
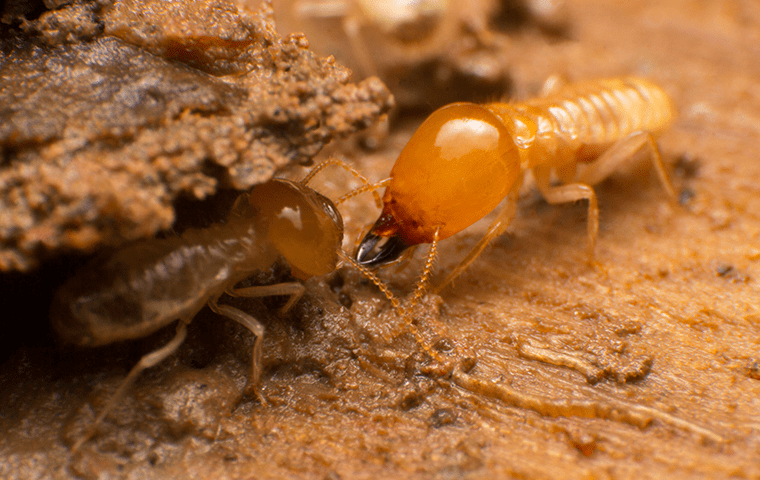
405 313
373 187
419 292
368 186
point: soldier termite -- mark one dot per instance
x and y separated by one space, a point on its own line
465 158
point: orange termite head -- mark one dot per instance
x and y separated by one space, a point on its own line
459 164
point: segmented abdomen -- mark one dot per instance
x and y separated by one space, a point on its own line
603 111
148 284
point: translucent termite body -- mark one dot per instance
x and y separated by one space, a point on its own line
466 158
149 284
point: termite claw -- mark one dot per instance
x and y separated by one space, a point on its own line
387 252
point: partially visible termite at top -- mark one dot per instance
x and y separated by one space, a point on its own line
149 284
410 32
466 158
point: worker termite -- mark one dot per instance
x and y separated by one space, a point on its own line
384 37
151 283
412 45
465 158
409 31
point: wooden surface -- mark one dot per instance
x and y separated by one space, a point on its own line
665 325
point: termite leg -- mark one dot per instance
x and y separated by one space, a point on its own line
352 27
294 289
150 360
622 151
258 331
570 193
500 223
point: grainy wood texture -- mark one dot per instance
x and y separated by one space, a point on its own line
668 321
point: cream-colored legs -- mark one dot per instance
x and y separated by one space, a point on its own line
622 151
598 170
570 193
293 289
497 227
150 360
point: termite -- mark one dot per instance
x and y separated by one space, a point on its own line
392 35
149 284
152 283
409 31
410 45
466 158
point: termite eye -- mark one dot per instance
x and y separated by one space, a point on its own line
332 211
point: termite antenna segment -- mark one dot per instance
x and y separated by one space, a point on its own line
419 292
404 312
374 279
367 187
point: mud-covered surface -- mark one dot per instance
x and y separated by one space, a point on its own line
657 343
113 111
